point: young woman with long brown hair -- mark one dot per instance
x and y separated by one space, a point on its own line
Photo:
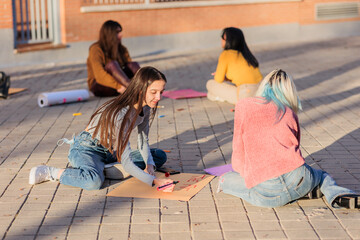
106 138
109 65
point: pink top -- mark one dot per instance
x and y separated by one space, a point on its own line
262 147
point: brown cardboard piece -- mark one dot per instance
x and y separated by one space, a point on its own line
189 185
16 90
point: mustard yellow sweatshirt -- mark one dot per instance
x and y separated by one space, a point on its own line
96 68
234 67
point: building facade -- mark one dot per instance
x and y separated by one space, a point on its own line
62 30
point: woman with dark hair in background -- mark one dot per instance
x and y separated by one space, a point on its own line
106 139
109 65
236 65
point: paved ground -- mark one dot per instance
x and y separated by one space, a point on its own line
198 133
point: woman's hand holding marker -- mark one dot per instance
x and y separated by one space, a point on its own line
165 185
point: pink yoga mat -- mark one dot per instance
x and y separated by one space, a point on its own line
184 93
218 171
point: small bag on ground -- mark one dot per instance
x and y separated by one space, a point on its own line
4 85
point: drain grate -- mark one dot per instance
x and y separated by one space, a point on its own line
326 11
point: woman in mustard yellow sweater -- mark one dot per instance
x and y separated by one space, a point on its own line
109 65
237 74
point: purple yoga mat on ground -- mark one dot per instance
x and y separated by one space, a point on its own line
218 171
184 93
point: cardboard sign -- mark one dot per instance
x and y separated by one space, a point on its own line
189 185
184 93
220 170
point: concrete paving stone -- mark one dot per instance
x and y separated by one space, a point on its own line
63 206
205 226
204 218
83 229
86 220
193 203
235 226
354 233
27 221
176 235
89 212
60 212
35 207
259 225
263 216
32 213
291 216
203 210
51 236
326 224
174 227
144 236
114 236
235 217
268 234
145 228
296 234
146 211
113 220
174 209
296 225
144 219
115 228
146 203
17 237
350 224
82 236
172 203
57 221
175 218
48 229
347 214
332 234
66 198
234 235
22 230
93 205
220 202
207 235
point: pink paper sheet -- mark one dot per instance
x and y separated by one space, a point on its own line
184 93
218 171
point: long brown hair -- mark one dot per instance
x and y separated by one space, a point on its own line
110 44
108 113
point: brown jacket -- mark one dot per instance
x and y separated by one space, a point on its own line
96 67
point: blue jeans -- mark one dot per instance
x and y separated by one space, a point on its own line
284 189
88 158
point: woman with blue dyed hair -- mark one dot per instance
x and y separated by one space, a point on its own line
269 170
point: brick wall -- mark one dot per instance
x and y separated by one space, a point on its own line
5 14
85 26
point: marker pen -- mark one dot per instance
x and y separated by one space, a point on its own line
166 185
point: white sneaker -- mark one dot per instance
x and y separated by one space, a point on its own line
115 171
39 174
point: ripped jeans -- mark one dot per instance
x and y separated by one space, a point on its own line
284 189
88 157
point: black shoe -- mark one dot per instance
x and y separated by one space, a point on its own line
315 193
350 202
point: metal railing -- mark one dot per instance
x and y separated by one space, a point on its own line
35 21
